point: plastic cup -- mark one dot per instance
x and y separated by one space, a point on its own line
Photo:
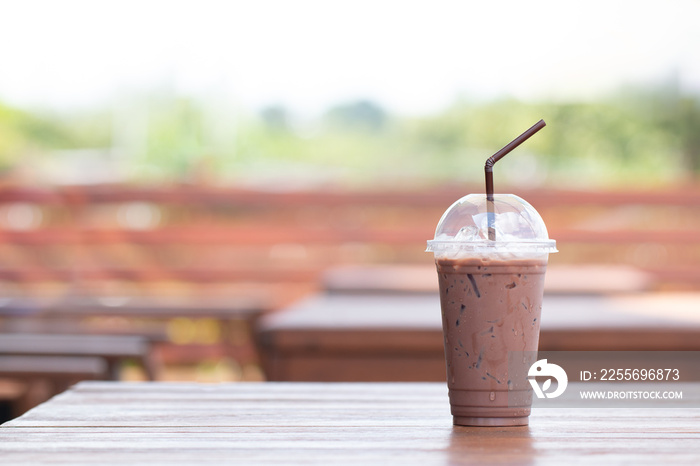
491 299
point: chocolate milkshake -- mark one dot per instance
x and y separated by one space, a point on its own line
491 298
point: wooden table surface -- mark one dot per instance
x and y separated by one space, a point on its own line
322 423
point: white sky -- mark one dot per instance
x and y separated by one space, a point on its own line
411 56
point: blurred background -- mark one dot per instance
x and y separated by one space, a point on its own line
354 94
173 170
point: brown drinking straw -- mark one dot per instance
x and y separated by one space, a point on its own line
488 169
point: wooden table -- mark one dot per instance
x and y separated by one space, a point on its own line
398 337
315 423
156 318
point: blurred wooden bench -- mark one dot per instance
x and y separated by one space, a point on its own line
59 369
114 350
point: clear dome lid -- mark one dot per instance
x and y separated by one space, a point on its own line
464 227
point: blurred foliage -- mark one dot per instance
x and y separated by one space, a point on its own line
22 133
175 139
26 136
649 136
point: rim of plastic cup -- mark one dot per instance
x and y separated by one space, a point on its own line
486 246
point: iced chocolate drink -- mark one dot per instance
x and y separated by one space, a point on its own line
489 308
491 299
